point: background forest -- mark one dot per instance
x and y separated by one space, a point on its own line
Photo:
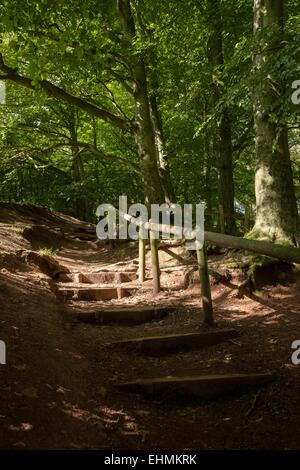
182 101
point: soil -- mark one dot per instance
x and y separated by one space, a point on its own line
57 387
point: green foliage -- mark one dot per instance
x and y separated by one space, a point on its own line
50 252
79 47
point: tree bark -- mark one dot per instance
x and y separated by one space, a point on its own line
208 313
282 252
62 95
208 145
224 139
81 203
142 259
162 158
276 207
154 262
143 128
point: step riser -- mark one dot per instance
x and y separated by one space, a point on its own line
178 281
94 295
171 343
209 388
123 316
98 278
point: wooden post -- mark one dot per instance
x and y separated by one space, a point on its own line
222 219
154 262
142 257
205 286
247 219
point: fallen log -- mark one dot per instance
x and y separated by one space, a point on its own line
282 252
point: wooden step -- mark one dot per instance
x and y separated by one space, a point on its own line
94 294
84 237
197 386
89 234
178 342
125 315
109 277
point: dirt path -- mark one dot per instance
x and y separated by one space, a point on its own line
57 386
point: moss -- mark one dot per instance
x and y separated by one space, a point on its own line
19 228
258 293
253 235
50 252
232 265
3 255
263 236
282 276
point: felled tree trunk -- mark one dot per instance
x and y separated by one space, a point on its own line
282 252
276 208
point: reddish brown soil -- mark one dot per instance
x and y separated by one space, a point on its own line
57 386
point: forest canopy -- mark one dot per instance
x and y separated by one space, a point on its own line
183 101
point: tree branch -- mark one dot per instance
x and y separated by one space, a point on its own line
111 97
113 158
58 93
123 80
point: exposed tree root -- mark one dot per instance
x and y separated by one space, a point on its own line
271 235
46 264
247 287
253 272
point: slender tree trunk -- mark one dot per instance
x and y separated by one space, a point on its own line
142 259
153 82
209 189
208 313
226 183
162 158
208 184
143 129
224 140
154 262
276 208
81 204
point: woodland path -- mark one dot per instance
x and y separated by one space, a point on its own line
57 386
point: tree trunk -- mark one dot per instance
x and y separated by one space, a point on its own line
162 158
225 182
208 313
276 208
282 252
81 204
142 259
209 188
223 140
143 128
154 262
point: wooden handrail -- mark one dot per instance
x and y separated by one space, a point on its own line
274 250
